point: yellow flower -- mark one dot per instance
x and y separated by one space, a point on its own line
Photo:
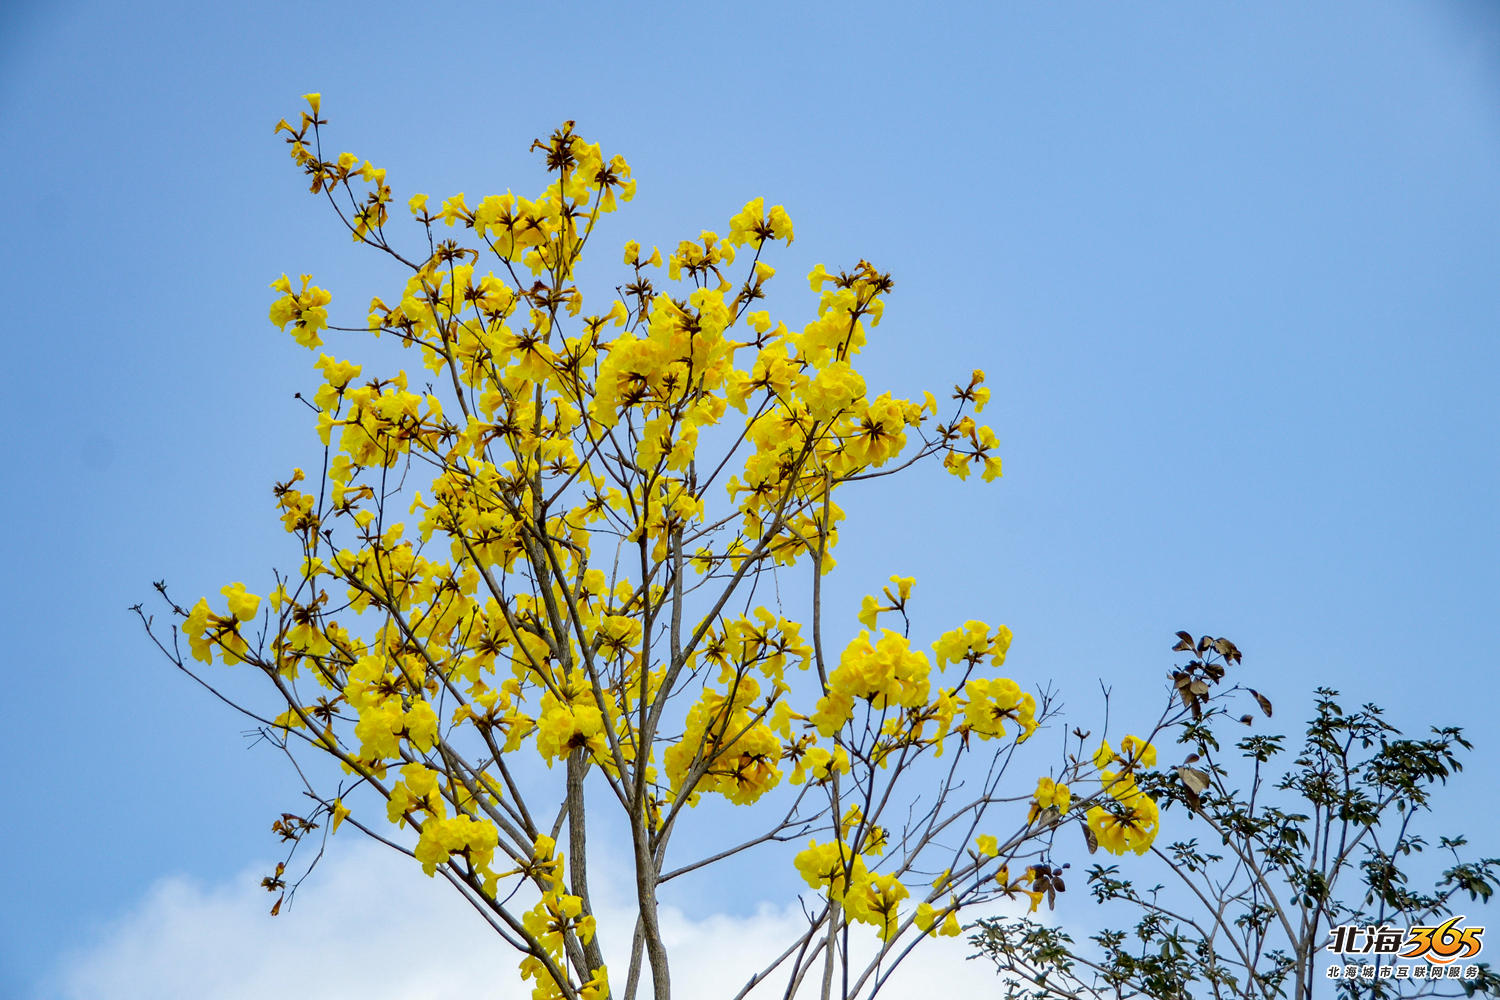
303 308
742 227
831 867
242 605
836 388
751 225
876 900
926 919
885 673
1135 750
455 210
1128 825
597 988
992 702
1049 794
972 643
780 223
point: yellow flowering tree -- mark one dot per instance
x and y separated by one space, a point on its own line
528 597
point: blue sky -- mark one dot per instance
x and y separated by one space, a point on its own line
1230 268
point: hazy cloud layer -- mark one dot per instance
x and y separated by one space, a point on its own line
370 926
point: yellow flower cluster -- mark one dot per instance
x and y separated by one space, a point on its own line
565 437
991 703
731 752
1128 822
838 870
304 309
884 674
570 719
973 643
555 919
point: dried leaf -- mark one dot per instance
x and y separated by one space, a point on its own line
1089 840
1262 701
1184 643
1247 719
1195 779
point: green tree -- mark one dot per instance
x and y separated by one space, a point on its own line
1266 861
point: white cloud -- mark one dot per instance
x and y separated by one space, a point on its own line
369 925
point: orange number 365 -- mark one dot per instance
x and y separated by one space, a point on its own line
1444 943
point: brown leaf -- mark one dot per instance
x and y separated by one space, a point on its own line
1247 719
1194 778
276 908
1192 758
1184 643
1262 701
1089 840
